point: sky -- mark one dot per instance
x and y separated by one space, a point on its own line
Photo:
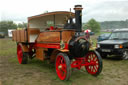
101 10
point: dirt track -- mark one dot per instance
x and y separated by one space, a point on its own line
115 71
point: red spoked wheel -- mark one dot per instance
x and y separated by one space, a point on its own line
22 56
95 63
63 68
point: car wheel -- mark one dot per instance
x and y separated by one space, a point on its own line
125 55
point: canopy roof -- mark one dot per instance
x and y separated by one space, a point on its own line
40 21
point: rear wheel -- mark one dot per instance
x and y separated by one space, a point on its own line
22 56
95 66
63 68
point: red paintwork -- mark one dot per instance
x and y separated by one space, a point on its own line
92 57
19 54
50 45
80 62
61 67
90 62
51 28
66 46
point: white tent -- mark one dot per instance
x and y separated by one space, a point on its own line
10 32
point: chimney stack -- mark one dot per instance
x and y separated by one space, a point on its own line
78 17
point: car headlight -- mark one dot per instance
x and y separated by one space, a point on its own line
98 45
118 46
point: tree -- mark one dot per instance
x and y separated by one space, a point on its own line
23 25
5 25
93 25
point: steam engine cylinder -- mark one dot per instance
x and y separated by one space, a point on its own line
78 48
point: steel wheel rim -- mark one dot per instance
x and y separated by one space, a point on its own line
61 67
19 54
94 63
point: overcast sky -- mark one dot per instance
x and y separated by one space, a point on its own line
101 10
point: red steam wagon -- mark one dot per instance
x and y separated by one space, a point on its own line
56 37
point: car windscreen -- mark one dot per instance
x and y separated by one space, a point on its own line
119 35
105 35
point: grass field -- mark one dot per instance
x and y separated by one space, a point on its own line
36 72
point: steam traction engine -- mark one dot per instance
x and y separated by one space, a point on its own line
63 42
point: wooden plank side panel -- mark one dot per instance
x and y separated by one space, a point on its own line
18 36
67 35
25 37
51 37
14 35
22 35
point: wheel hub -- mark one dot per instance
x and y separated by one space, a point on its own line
60 67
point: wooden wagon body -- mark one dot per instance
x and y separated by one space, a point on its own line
48 36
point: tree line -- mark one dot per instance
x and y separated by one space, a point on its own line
5 25
96 26
114 24
92 24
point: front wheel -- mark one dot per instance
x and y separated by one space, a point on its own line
95 63
125 55
63 68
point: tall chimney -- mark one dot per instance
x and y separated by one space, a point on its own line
78 17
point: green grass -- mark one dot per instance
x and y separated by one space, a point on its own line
7 47
113 70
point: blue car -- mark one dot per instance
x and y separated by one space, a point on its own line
104 36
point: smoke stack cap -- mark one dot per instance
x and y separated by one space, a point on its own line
78 7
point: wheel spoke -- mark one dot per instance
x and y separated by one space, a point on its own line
95 68
94 63
61 66
61 60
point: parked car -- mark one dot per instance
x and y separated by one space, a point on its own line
2 35
117 44
104 36
91 33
